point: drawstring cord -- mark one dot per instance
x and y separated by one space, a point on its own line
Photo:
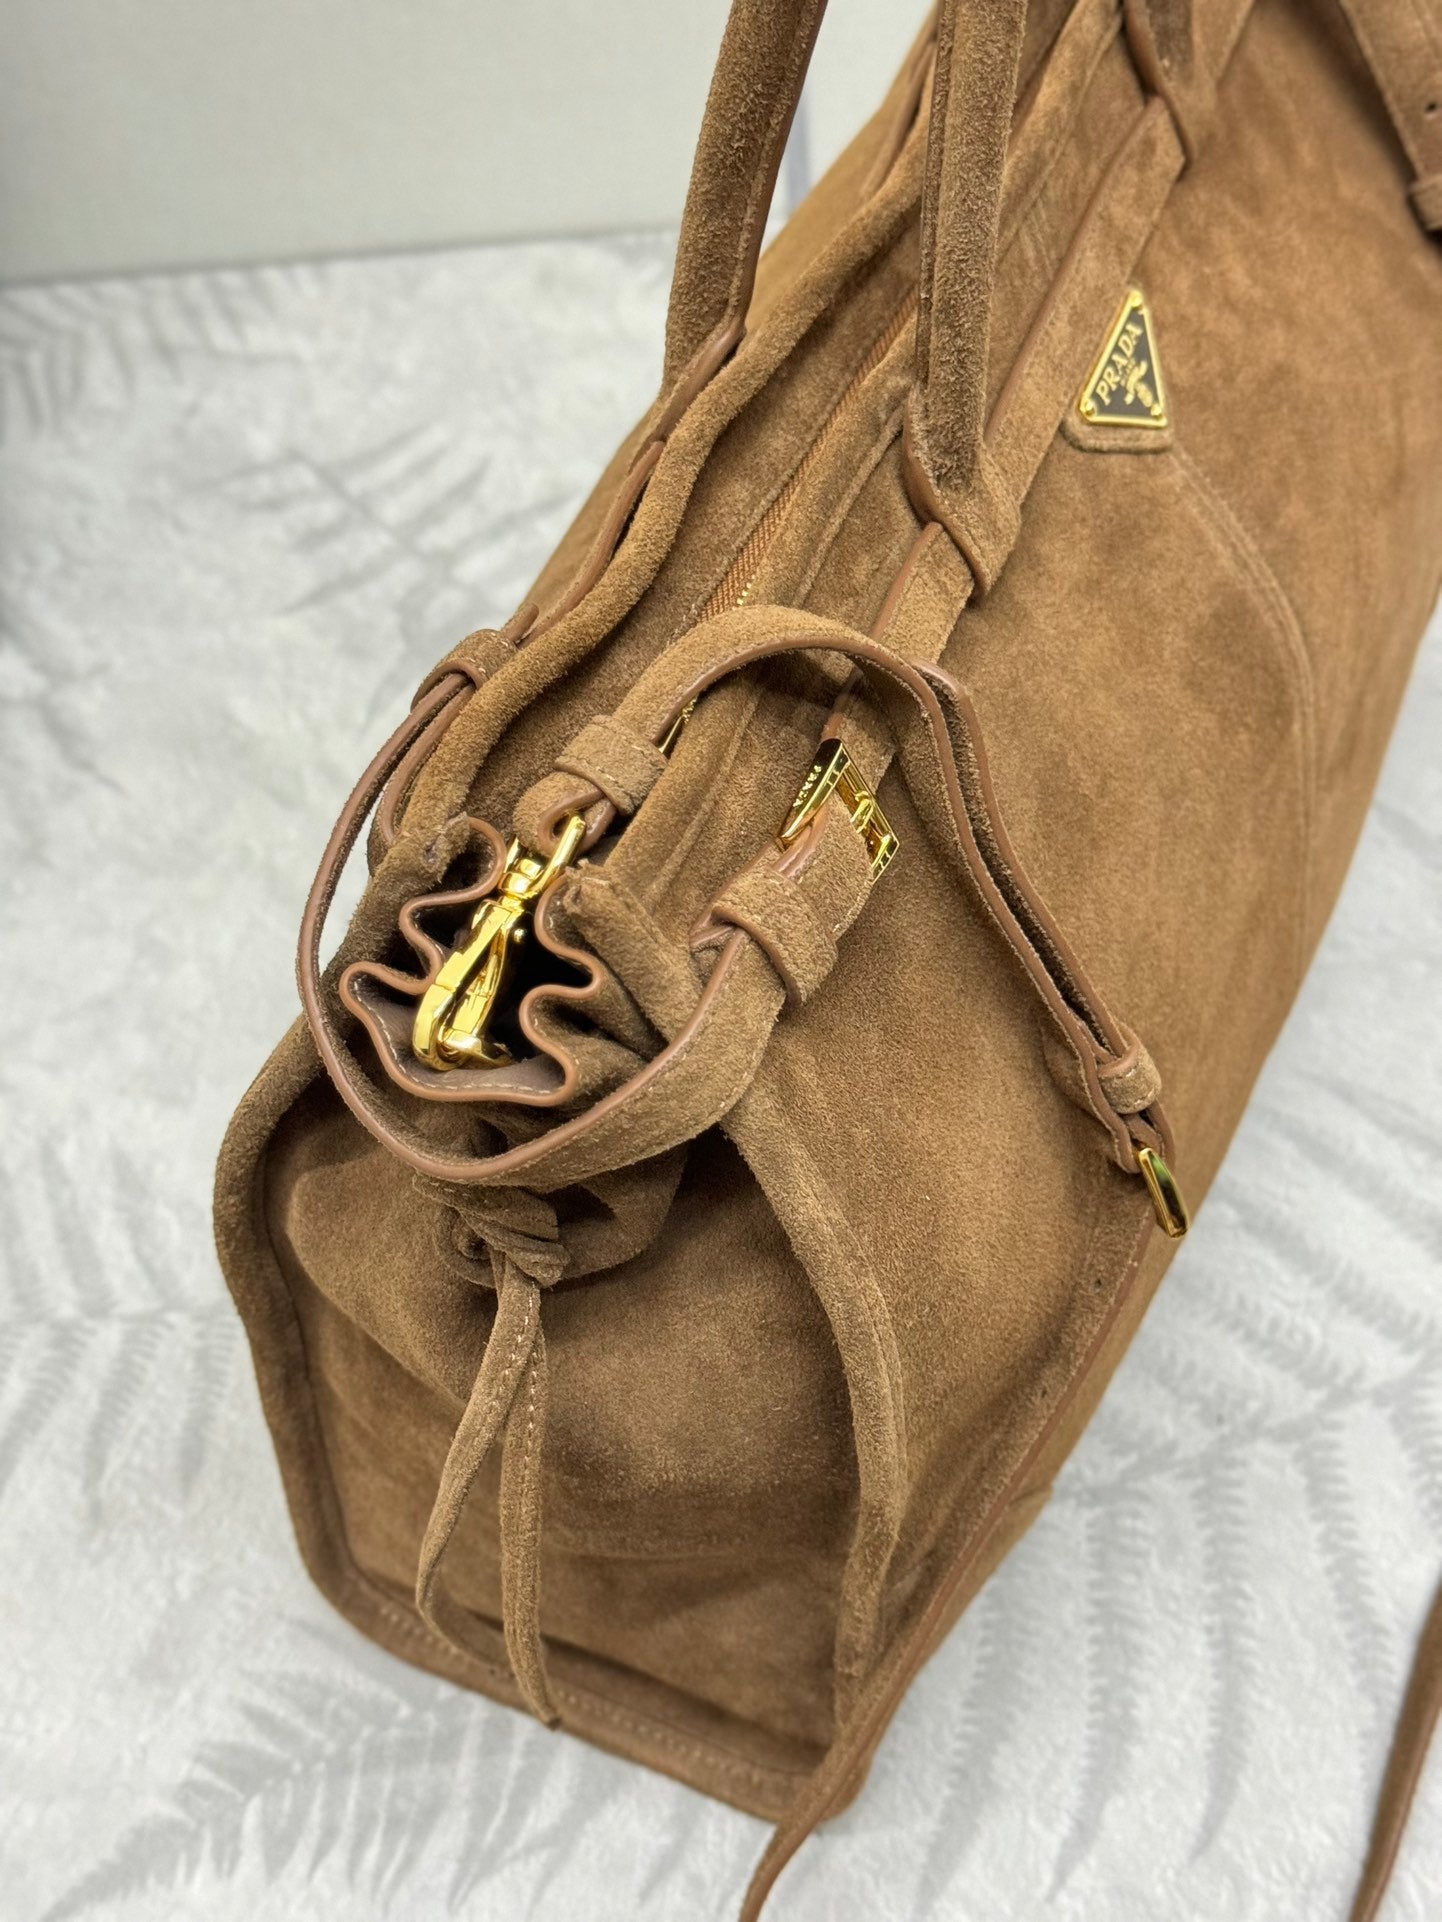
507 1402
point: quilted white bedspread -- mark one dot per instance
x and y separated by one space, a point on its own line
242 513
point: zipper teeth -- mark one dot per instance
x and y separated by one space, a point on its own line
735 587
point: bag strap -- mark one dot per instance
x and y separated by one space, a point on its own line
752 102
1401 41
708 1063
1416 1725
978 54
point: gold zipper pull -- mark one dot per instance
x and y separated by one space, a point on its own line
834 772
1168 1204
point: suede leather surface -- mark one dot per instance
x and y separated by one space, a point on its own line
852 1356
1192 1661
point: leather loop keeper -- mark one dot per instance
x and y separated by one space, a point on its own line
539 813
983 519
620 763
1130 1081
779 919
478 657
796 903
1162 39
1132 1073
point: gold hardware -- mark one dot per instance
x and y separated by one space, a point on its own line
1170 1208
1124 388
453 1020
455 1012
834 772
673 733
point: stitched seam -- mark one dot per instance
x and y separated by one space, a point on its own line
606 748
777 913
800 1818
599 1544
1019 942
531 1568
659 1734
872 1302
533 1571
678 1744
591 1705
1009 1493
1238 543
508 1367
878 1319
530 1427
368 1597
1061 145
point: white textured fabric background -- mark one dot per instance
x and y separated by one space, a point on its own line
241 514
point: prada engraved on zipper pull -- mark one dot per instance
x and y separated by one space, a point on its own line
834 772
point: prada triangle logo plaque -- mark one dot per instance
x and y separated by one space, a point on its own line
1124 388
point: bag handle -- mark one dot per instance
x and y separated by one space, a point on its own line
753 97
695 1079
754 93
755 88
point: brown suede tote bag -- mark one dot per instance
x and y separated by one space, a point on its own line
715 1178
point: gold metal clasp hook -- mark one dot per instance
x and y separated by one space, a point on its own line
452 1023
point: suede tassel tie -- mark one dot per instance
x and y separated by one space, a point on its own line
508 1400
